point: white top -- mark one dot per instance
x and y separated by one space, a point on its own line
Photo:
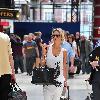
51 62
5 51
74 46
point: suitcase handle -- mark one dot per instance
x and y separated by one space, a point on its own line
68 92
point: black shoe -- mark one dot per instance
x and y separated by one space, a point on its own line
77 73
27 73
83 72
30 74
16 72
71 76
22 71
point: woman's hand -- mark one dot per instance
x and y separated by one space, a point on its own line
37 62
43 62
65 86
72 69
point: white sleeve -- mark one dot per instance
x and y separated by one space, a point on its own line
74 44
9 47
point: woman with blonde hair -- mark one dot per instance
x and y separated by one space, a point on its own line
56 58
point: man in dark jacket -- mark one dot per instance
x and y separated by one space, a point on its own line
85 49
17 52
95 73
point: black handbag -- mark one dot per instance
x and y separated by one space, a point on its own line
17 93
43 75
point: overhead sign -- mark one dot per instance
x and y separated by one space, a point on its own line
9 14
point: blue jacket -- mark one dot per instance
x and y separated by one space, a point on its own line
70 52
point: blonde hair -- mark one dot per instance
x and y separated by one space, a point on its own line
25 36
60 31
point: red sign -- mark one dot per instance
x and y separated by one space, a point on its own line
96 33
1 28
4 23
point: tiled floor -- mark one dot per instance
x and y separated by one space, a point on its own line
78 88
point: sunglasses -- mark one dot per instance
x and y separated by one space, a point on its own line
56 35
56 29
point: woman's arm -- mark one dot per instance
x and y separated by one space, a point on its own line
44 53
37 51
11 61
78 51
65 67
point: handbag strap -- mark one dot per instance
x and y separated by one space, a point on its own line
14 86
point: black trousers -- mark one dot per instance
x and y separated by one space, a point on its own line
18 63
5 87
96 86
29 64
78 69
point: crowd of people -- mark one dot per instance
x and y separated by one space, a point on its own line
32 52
63 49
77 46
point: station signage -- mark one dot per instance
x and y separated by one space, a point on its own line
9 14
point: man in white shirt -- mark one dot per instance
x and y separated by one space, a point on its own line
6 66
